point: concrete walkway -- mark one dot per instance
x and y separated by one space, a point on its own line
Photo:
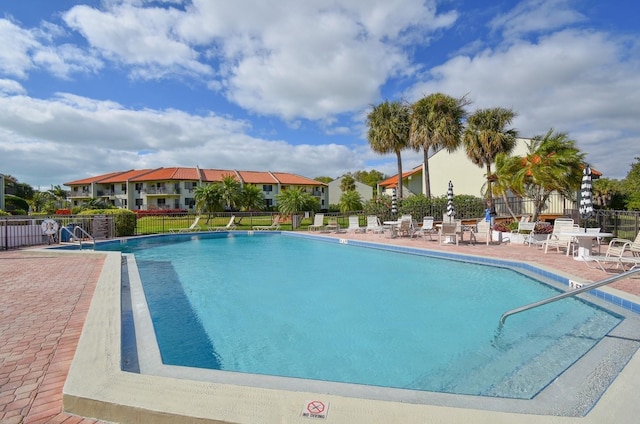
44 298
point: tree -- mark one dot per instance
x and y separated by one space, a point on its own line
295 200
230 191
631 186
609 193
325 180
389 126
347 183
43 201
501 186
251 198
370 178
350 201
208 198
61 196
487 135
436 123
553 163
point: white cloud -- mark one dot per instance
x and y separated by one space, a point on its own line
136 36
51 137
8 86
16 45
579 82
289 59
532 16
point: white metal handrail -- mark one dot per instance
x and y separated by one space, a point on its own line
582 289
82 234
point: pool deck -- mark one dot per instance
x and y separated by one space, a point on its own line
45 297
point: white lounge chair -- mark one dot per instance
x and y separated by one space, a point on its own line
559 238
191 228
427 228
332 225
275 225
403 228
231 225
374 225
318 222
354 225
449 230
482 228
614 259
527 229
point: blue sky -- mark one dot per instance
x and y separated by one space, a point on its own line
90 87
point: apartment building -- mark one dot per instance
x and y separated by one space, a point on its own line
173 188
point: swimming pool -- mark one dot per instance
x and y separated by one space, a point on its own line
599 387
290 307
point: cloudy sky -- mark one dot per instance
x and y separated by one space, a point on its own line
90 87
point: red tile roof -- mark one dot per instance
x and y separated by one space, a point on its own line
95 179
207 175
294 179
256 177
121 177
393 181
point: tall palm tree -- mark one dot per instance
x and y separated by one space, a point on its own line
389 125
230 191
436 123
487 135
553 164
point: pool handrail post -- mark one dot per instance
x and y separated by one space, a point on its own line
561 296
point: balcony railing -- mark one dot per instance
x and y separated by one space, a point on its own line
161 191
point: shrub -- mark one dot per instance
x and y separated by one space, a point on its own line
125 220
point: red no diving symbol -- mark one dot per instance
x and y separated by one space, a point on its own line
315 407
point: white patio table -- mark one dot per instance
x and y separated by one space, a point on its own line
585 241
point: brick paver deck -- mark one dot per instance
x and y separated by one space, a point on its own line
44 299
43 303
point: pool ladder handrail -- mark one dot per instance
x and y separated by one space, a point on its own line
561 296
80 237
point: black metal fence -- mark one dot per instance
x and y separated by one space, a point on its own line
24 231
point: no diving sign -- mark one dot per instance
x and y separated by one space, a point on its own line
315 409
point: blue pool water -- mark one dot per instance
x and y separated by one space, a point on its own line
286 306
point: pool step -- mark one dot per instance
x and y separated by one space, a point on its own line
490 366
553 360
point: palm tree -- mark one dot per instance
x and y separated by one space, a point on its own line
501 185
487 135
389 125
230 191
350 201
553 164
296 200
436 123
251 198
348 183
208 198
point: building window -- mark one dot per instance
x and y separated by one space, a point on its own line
123 188
190 202
268 202
139 203
267 187
138 187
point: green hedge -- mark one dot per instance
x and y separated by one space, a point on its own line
125 220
